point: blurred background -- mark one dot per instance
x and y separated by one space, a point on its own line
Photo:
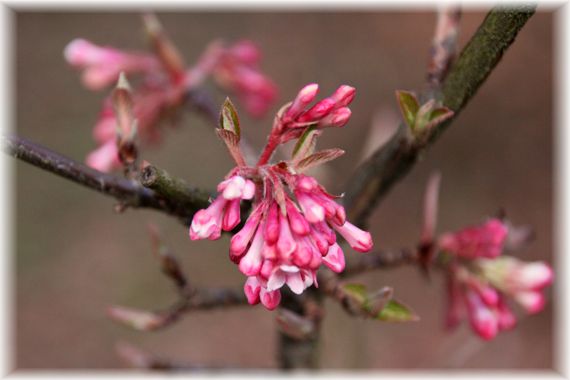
75 256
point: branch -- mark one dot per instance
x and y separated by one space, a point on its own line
395 159
128 192
380 260
137 358
443 47
199 299
186 199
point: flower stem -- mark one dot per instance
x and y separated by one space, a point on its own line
272 143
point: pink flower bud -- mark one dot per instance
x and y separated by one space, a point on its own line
454 307
485 240
269 251
532 301
237 187
137 319
250 264
286 245
102 65
267 269
321 240
358 239
531 276
298 223
333 211
303 254
241 240
318 111
335 258
207 223
231 215
488 294
252 288
306 184
337 118
81 53
343 95
105 158
246 52
313 211
270 299
316 260
507 319
482 319
302 100
324 229
98 77
272 228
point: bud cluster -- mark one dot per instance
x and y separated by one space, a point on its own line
480 280
164 82
292 227
236 69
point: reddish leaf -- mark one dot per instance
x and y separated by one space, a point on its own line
319 158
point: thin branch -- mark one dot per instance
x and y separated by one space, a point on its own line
135 357
199 299
443 47
395 159
185 198
386 259
128 192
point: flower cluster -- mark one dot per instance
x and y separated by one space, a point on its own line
164 81
290 231
480 279
236 69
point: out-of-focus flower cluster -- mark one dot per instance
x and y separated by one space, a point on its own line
290 231
164 80
480 280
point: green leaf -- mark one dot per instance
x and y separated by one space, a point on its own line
409 106
376 301
229 118
356 291
438 116
423 116
395 311
305 145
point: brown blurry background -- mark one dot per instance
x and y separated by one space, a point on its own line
75 257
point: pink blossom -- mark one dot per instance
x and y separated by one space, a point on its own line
164 82
290 231
303 99
483 321
207 224
522 281
485 284
150 104
334 258
485 240
270 299
102 65
252 288
358 239
236 70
